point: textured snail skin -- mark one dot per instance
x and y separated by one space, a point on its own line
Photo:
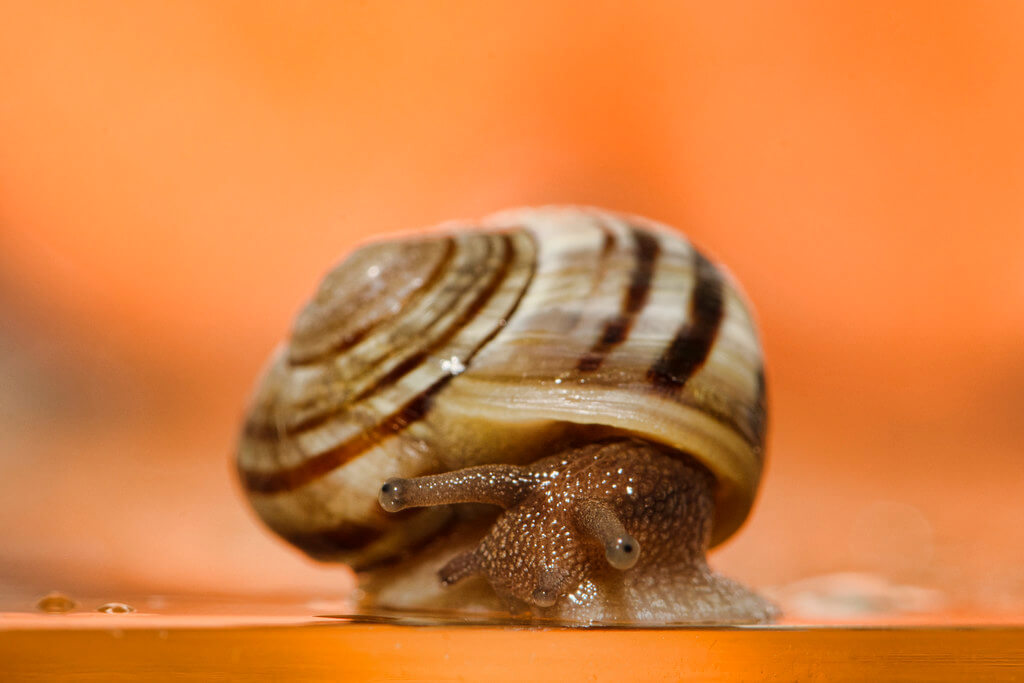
563 548
592 375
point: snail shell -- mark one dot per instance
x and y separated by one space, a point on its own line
492 343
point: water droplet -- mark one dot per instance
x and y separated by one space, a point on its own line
558 381
56 603
373 272
115 608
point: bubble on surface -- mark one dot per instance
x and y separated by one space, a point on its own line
115 608
56 602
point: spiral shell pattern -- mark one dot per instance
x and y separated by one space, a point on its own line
485 345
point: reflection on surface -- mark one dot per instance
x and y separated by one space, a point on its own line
843 600
364 651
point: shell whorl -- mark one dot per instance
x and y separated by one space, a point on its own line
440 352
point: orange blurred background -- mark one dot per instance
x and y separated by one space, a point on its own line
176 177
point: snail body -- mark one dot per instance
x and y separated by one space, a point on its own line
593 375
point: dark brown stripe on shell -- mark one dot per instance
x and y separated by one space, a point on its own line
412 411
759 413
327 543
260 431
617 329
607 247
319 465
694 339
739 416
410 548
357 336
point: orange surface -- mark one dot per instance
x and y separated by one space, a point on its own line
372 653
175 177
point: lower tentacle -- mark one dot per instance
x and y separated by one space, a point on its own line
459 567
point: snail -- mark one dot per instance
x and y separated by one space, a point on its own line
553 413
